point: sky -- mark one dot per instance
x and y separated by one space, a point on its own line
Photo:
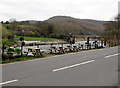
44 9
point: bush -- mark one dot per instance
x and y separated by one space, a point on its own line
14 50
11 50
17 51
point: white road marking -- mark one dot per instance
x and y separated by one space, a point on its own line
112 55
8 82
63 68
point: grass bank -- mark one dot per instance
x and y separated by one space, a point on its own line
24 58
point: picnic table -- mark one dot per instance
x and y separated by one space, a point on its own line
75 48
82 47
53 49
70 48
35 51
61 50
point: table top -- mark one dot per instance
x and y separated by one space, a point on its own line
34 48
60 47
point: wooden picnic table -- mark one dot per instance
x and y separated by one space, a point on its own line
53 49
79 47
61 50
35 51
75 48
70 48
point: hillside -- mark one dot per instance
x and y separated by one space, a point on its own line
77 26
55 27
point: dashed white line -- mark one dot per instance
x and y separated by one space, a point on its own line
8 82
112 55
63 68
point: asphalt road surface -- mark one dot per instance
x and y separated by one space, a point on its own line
85 68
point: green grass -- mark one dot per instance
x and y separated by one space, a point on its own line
38 39
24 58
25 26
6 32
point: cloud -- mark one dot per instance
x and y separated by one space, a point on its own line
43 9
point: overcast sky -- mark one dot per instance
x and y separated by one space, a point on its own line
44 9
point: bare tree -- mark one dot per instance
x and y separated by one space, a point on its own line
112 32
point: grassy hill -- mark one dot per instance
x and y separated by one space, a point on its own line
77 26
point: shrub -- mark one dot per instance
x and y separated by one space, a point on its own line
17 51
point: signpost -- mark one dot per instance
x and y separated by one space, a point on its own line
22 44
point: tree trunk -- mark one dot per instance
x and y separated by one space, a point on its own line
3 50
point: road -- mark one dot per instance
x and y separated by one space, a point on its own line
85 68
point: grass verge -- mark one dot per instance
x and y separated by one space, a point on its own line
24 58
